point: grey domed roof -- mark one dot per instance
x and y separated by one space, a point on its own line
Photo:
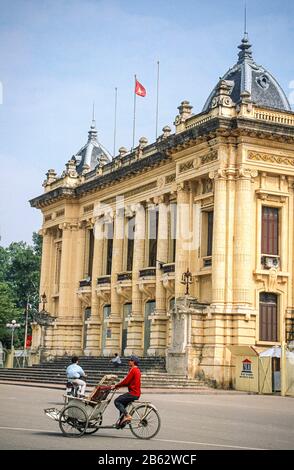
247 76
92 154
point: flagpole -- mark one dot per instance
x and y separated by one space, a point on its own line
115 112
134 119
157 95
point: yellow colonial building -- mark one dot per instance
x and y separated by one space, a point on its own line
214 196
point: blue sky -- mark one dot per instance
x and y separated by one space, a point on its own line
57 56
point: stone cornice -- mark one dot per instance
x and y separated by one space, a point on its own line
215 127
119 174
52 196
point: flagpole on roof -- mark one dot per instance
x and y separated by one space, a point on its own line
134 118
115 112
157 95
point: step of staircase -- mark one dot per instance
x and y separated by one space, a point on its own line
148 380
154 374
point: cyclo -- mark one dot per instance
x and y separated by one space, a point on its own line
81 416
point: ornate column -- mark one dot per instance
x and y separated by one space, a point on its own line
230 222
158 337
183 237
113 340
136 322
219 237
65 272
47 253
243 237
67 337
75 320
80 246
94 323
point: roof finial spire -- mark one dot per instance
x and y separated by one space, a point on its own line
245 19
245 46
93 112
93 131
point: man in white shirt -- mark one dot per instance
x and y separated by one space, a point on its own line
116 361
74 373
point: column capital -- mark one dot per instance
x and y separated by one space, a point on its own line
180 187
162 199
246 173
219 174
64 226
44 231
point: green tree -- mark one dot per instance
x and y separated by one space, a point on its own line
4 261
23 271
19 281
8 312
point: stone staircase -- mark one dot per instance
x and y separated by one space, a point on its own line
154 374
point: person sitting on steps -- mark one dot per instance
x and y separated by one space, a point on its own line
133 382
74 373
116 361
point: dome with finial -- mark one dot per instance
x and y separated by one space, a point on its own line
247 79
92 154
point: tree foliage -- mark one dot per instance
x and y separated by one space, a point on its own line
19 284
8 312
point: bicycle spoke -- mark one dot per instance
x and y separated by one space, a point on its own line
145 423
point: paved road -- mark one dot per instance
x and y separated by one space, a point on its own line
189 421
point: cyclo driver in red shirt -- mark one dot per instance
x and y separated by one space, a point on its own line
133 382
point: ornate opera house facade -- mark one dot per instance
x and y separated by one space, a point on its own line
216 196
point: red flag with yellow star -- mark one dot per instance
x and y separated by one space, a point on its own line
139 89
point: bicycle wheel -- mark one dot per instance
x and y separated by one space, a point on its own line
145 422
94 425
73 421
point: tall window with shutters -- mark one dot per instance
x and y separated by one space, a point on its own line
270 231
130 244
268 317
209 232
109 247
90 253
58 252
152 235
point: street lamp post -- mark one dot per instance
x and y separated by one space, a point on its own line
28 306
187 280
13 325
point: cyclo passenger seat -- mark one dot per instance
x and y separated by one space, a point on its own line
100 393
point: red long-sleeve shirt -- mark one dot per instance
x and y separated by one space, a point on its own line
132 381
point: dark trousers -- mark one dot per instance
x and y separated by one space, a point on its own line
122 401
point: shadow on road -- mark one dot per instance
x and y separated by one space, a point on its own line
59 434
